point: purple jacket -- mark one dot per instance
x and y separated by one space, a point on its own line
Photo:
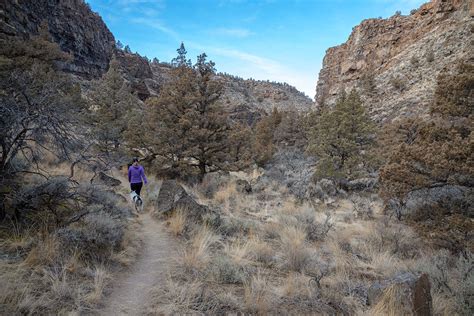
136 174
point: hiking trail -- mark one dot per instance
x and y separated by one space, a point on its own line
131 292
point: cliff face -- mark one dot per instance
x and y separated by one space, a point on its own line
72 25
84 35
394 62
264 95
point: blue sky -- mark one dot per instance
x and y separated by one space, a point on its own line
279 40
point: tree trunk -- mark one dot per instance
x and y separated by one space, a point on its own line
202 170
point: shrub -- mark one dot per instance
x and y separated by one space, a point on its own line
226 271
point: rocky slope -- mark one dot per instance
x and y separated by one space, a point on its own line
394 62
72 25
85 36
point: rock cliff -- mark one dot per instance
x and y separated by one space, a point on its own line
72 25
82 33
394 62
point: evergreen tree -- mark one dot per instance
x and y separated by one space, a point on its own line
112 102
341 139
185 124
263 143
435 151
127 49
181 60
119 45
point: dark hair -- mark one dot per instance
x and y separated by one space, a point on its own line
135 159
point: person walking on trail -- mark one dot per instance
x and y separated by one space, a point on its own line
136 176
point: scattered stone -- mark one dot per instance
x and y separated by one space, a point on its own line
413 290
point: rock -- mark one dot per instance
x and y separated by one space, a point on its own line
106 180
172 196
388 60
243 186
362 184
72 25
413 290
450 197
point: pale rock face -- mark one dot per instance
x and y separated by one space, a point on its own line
394 62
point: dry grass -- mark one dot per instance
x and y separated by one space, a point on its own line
101 277
224 195
44 253
280 255
294 251
391 302
258 298
196 257
177 222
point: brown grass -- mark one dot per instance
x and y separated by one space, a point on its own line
196 257
257 295
177 222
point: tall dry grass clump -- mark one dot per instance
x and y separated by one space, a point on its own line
196 256
258 297
294 251
177 222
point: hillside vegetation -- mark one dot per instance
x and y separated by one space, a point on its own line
291 211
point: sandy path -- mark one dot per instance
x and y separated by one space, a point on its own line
131 294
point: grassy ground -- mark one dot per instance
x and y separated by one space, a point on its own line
273 254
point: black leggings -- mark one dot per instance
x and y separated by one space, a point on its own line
137 187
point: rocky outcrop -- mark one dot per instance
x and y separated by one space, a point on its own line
72 25
407 292
394 62
262 96
106 180
173 196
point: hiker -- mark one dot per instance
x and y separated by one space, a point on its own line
136 176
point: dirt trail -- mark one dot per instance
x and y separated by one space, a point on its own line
131 293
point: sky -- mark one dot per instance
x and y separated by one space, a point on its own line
278 40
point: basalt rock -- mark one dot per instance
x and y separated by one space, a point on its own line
394 62
412 291
173 196
72 25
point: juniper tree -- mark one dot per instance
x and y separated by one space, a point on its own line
40 109
341 138
186 124
422 153
111 103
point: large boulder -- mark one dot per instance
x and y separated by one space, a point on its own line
173 196
413 294
106 180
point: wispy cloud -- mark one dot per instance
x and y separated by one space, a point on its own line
249 65
233 32
155 24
